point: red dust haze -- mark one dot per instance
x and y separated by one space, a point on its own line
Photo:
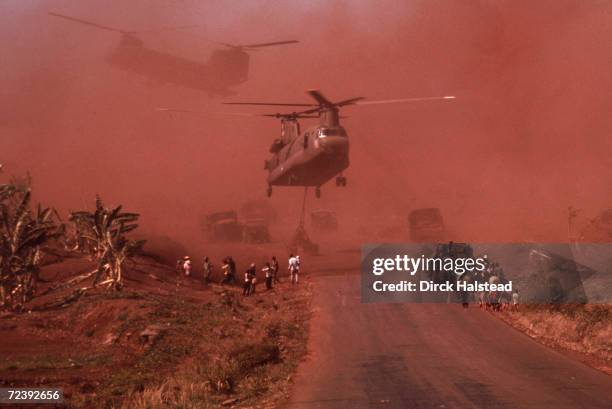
528 135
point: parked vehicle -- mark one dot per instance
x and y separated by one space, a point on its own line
223 226
255 231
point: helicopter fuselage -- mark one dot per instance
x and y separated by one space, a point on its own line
321 152
308 159
225 68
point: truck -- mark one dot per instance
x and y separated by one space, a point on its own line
223 226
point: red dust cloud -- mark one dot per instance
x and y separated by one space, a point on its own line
527 136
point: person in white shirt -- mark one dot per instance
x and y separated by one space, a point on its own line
187 266
269 272
294 268
515 300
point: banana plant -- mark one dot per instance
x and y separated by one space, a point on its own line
23 233
102 233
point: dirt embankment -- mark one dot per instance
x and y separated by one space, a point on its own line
164 341
584 331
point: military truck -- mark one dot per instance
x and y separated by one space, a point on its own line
223 226
255 231
258 209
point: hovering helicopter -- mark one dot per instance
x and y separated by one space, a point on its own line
226 67
321 152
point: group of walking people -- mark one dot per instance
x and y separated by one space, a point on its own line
270 272
496 300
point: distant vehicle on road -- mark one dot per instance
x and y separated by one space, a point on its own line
255 231
426 225
258 209
454 250
324 220
223 226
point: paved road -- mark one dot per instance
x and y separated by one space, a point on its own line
431 356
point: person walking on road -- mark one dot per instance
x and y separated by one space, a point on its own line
187 266
207 267
274 267
253 278
249 280
515 300
246 287
269 275
229 270
232 269
293 268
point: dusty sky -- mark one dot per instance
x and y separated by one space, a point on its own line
527 136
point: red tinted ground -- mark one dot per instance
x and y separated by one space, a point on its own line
94 347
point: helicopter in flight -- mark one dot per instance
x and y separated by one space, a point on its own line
227 66
313 157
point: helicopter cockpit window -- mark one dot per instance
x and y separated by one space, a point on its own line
331 132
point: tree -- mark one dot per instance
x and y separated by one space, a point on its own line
102 233
23 233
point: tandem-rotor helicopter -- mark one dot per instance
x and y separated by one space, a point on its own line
227 66
321 152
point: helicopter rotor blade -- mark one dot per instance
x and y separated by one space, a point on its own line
271 104
311 111
89 23
255 47
189 111
260 45
107 28
318 96
276 115
325 104
351 101
239 114
393 101
184 111
229 45
162 29
323 101
293 115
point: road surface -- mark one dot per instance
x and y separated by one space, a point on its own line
430 356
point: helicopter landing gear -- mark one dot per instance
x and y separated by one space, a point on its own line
341 181
318 192
269 191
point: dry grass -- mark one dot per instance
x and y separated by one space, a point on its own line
586 329
212 344
244 359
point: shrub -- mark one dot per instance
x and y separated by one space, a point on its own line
23 233
102 234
